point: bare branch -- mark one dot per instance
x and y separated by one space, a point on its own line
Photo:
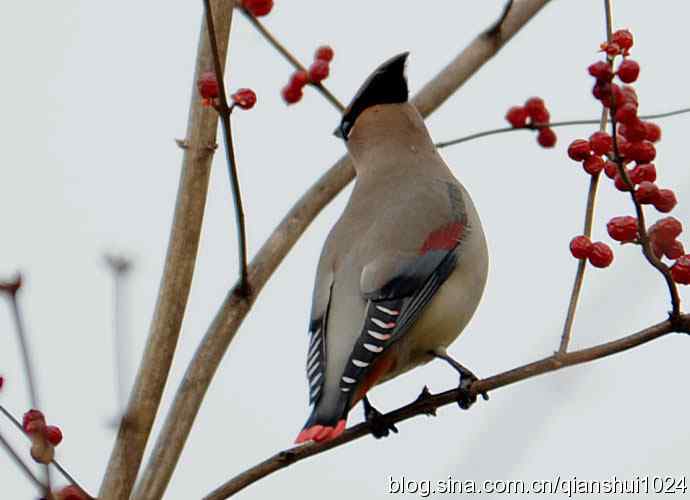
221 332
427 403
177 277
22 465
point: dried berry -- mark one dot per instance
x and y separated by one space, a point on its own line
580 247
53 434
517 116
665 231
258 8
601 70
601 255
244 98
291 94
665 201
628 71
680 271
546 137
208 85
653 131
647 193
579 150
601 143
324 53
623 38
675 250
593 165
623 229
318 71
641 152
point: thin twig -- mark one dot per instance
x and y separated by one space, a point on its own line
503 130
22 465
173 293
57 465
272 40
589 218
224 111
427 403
200 371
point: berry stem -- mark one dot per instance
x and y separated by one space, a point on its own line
569 123
224 112
272 40
57 465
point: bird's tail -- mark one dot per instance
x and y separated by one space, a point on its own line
323 425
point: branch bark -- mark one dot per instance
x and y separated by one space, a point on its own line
199 145
427 403
232 312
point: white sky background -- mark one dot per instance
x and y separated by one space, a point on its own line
93 94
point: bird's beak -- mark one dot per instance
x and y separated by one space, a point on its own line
338 132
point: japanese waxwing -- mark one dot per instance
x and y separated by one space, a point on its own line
403 269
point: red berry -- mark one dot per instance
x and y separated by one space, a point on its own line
628 71
620 183
680 271
208 85
665 231
634 131
608 91
580 247
517 116
534 105
299 79
593 165
540 116
647 193
291 94
611 49
643 172
665 201
641 152
601 70
623 146
627 113
600 143
546 137
70 492
318 71
53 434
623 38
579 150
258 8
33 419
611 169
622 228
629 95
244 98
2 381
653 131
324 53
674 251
601 255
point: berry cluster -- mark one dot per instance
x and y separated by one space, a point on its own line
599 254
533 115
258 8
318 71
634 143
209 90
44 438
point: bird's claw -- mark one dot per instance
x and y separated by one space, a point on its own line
380 428
466 398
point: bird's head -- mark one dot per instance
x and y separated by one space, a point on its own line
386 85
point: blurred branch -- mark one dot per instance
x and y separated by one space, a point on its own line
427 403
197 378
119 267
176 281
272 40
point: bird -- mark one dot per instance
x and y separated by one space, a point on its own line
403 269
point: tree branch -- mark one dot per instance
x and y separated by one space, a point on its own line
221 332
177 277
23 466
427 403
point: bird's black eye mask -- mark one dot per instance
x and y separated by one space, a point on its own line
386 85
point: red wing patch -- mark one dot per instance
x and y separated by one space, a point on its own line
443 238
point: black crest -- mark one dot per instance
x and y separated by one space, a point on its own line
386 85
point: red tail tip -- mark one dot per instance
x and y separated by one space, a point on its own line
321 433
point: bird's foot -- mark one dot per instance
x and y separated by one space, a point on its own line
466 397
380 428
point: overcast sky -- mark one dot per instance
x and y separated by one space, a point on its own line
93 95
